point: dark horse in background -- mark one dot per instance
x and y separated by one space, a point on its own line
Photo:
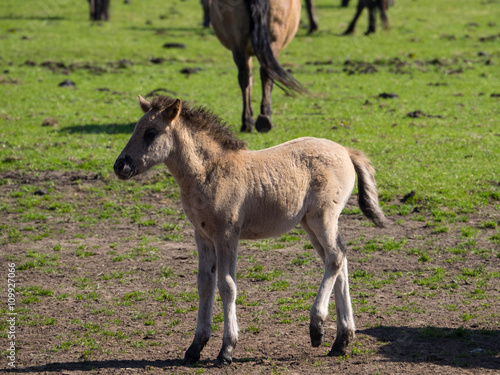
99 10
260 28
372 5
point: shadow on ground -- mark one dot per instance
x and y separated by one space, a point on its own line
100 129
460 347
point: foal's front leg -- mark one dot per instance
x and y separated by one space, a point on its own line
206 292
227 253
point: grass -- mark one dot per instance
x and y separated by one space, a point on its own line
93 129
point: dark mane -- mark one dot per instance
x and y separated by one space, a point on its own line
201 119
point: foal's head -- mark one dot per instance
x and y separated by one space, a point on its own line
151 141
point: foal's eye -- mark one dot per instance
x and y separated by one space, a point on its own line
149 136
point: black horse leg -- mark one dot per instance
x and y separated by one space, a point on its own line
263 123
371 16
352 25
383 5
311 13
245 79
206 12
344 3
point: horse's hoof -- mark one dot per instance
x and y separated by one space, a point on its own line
317 333
246 128
312 29
263 124
348 32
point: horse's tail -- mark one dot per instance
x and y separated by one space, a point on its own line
367 188
261 45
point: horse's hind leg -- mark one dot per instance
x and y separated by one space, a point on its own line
263 123
206 292
343 307
245 79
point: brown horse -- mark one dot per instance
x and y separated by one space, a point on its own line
372 6
261 28
230 193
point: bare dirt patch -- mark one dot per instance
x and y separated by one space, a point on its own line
106 282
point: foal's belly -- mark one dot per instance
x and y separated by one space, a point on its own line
270 222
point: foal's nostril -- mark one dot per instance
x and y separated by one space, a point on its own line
119 164
124 167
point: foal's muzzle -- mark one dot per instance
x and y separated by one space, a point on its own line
124 167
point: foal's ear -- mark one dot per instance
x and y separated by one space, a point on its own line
171 113
145 105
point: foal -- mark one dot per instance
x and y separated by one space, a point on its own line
230 193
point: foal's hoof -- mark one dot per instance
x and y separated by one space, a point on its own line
263 124
317 333
339 347
192 356
223 360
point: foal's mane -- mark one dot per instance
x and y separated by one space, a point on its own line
201 119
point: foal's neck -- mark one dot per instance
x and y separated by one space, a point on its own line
191 153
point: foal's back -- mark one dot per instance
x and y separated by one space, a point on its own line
286 182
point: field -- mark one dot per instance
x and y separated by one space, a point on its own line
105 270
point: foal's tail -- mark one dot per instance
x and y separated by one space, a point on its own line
261 45
367 188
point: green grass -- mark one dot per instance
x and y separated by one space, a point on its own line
449 161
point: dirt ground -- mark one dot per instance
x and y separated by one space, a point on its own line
110 310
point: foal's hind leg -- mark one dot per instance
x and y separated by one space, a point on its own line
263 123
323 233
245 79
343 307
206 292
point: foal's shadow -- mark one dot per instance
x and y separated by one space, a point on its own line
118 364
102 365
460 347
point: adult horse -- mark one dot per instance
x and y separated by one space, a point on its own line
261 28
230 193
